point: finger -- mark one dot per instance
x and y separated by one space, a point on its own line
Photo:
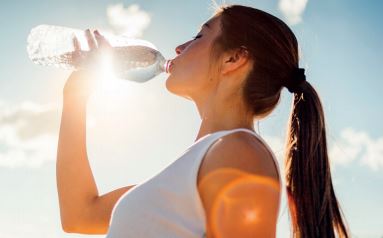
76 44
77 51
90 39
101 39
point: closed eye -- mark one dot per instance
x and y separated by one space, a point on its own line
196 37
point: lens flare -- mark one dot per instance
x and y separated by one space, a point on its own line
245 206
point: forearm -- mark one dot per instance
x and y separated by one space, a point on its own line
75 182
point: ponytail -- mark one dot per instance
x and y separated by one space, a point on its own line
314 209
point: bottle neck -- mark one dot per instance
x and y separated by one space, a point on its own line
165 65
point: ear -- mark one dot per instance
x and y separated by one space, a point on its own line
234 59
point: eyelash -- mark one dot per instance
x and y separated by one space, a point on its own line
196 37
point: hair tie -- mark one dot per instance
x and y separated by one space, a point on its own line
296 81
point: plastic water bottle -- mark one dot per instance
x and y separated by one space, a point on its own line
131 59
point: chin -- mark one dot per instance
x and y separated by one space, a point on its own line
173 85
168 84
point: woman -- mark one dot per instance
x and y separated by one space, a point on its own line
234 71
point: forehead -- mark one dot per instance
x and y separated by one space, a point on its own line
211 24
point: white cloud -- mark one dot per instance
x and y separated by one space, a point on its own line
292 10
358 145
351 147
27 134
348 148
130 21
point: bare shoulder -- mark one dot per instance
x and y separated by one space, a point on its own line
239 150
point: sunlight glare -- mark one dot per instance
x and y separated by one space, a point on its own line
110 87
109 81
250 215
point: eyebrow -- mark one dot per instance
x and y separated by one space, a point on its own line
207 25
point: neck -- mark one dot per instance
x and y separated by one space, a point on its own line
217 114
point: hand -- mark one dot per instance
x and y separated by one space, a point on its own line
81 83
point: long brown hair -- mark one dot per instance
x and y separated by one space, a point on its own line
314 209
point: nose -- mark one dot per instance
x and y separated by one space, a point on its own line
180 48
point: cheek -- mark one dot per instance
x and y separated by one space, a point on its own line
197 69
190 73
196 64
192 64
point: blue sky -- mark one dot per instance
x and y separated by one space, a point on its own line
341 50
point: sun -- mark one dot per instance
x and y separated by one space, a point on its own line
111 88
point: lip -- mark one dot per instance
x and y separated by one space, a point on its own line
170 66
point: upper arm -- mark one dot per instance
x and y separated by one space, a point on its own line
239 189
95 218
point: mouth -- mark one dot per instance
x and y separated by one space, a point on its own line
169 65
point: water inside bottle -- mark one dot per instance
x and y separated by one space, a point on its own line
138 63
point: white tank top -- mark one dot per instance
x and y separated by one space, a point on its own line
168 205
